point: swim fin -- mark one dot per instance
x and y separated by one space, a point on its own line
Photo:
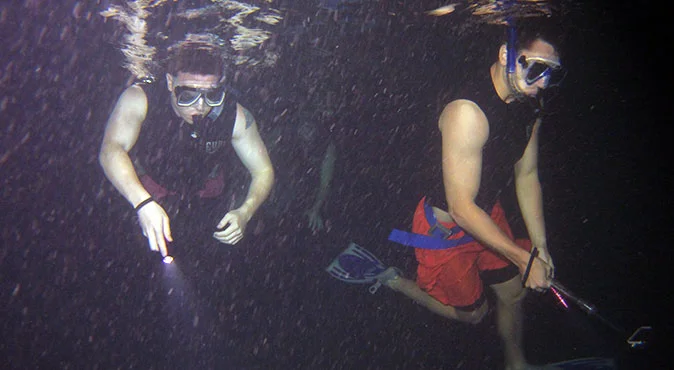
356 265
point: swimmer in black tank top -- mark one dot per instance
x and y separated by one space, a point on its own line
488 140
209 123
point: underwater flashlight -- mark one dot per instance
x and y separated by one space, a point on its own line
168 260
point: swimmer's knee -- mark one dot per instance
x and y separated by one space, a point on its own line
475 316
510 294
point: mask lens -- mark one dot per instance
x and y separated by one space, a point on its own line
186 96
537 71
556 76
215 97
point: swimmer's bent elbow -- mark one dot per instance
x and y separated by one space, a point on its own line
458 211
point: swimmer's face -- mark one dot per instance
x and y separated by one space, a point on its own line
538 49
196 81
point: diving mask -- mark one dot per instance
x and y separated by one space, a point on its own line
537 68
188 96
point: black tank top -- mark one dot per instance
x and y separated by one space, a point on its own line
170 152
510 127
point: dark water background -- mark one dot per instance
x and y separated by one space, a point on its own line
80 290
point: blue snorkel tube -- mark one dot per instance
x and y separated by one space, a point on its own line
511 50
511 58
511 67
512 40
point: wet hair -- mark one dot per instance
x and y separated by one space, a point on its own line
530 30
197 60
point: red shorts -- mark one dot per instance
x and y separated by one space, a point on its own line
456 276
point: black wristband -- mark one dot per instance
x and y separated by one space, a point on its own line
143 204
534 254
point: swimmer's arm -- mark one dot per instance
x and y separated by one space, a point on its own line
121 134
327 173
253 154
465 131
529 194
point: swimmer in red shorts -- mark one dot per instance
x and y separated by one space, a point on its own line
489 138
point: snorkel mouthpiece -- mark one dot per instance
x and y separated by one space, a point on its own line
196 126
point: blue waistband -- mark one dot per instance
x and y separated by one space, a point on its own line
437 238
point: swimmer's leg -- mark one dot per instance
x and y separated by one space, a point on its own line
411 289
509 321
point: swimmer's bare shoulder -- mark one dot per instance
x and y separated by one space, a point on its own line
127 117
463 114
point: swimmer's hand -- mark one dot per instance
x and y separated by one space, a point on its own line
237 220
156 227
540 275
315 220
545 256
